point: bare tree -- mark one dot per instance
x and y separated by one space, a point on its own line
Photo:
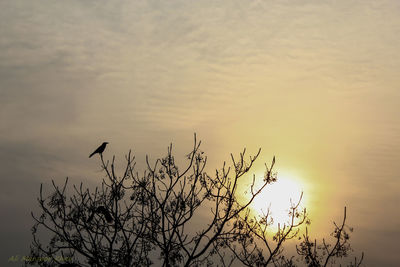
269 248
259 245
317 255
158 217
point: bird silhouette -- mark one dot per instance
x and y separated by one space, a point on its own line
101 210
100 149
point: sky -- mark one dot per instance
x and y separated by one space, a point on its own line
314 83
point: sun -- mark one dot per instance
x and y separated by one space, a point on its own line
279 196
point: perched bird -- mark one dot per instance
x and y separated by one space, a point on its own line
105 212
101 210
100 149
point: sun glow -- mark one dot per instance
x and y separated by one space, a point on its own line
278 197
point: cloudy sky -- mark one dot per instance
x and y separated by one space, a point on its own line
315 83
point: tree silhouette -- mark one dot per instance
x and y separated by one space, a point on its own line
170 217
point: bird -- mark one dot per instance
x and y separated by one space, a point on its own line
105 212
101 210
100 149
